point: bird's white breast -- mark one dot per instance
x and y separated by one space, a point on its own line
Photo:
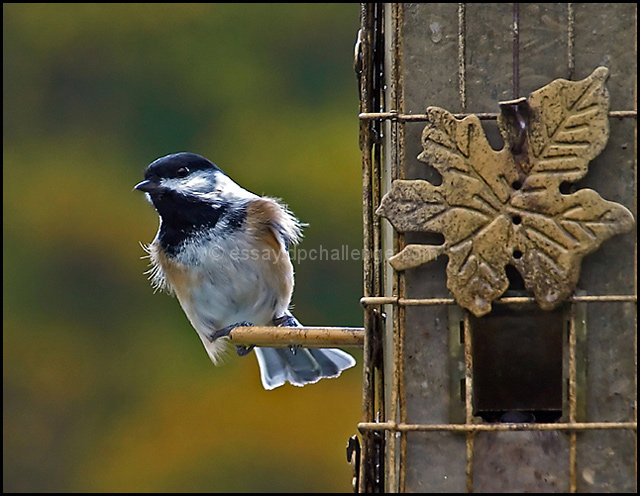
224 280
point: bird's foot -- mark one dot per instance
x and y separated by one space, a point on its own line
241 350
286 321
225 331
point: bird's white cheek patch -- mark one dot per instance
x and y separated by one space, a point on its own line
194 184
209 187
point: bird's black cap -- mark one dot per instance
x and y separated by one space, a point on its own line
169 165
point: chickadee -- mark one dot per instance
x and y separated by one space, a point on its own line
224 252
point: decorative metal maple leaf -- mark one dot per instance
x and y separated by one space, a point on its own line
496 208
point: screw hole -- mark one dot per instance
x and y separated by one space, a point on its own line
516 185
517 254
516 219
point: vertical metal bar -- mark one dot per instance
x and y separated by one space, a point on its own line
395 100
572 310
367 212
635 244
386 442
580 331
377 104
468 358
372 454
401 286
572 398
516 50
402 410
468 400
571 56
377 84
462 67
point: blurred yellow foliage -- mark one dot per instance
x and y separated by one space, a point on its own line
105 385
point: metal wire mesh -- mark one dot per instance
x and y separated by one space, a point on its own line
378 116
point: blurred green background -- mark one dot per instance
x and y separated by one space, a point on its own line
106 386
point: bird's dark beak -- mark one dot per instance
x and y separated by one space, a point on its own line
148 186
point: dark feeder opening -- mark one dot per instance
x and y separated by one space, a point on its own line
517 364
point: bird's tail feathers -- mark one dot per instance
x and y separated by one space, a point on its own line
300 366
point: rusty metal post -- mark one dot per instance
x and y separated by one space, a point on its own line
368 67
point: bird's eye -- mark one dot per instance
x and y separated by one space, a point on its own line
182 172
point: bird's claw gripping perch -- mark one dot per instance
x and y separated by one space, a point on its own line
288 321
241 350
